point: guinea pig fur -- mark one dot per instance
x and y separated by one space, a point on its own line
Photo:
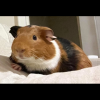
37 50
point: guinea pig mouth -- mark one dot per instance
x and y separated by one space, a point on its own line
21 57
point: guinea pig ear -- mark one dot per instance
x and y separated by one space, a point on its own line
48 34
13 30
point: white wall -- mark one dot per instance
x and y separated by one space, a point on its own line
97 24
88 35
22 20
14 20
8 20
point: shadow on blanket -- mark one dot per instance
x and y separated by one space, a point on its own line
5 65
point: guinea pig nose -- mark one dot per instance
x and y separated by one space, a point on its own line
20 51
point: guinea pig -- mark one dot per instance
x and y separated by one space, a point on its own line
35 49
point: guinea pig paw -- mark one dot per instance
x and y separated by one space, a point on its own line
16 66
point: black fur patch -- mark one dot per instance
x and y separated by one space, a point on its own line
71 53
13 30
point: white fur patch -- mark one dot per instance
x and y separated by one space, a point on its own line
33 64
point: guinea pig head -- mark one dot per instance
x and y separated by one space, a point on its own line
34 41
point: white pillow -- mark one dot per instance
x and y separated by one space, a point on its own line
6 40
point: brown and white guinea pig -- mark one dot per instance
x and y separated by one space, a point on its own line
36 49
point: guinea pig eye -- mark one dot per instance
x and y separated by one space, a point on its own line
34 37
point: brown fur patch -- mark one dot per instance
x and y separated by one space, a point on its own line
84 62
